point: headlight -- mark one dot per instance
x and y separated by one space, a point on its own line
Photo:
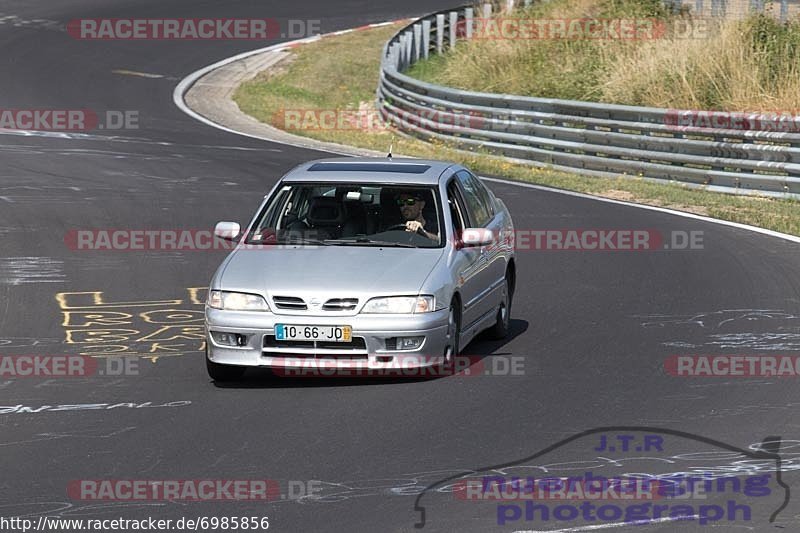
400 304
236 301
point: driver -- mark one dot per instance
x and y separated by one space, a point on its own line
411 206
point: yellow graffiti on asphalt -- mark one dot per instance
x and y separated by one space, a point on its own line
147 329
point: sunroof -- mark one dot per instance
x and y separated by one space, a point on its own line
403 168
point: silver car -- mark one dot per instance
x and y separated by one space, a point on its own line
368 264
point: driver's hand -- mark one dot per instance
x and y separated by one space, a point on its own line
413 226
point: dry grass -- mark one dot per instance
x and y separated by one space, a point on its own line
740 65
732 70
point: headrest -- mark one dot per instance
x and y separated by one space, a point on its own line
324 210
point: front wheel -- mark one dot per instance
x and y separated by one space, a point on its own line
221 373
453 334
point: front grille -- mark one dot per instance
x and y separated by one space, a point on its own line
342 356
271 342
357 343
340 304
289 302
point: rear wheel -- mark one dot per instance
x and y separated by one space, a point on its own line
501 328
220 373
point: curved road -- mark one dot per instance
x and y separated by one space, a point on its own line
591 329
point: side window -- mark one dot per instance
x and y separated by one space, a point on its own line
456 210
478 209
485 194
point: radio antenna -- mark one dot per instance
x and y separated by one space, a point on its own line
391 147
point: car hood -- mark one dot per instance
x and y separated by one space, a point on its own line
335 271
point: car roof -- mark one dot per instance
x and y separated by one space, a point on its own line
404 171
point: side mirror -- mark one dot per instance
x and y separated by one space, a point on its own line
227 230
477 237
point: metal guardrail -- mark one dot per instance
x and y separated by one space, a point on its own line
588 137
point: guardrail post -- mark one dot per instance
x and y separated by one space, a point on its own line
757 5
409 45
487 11
509 6
453 26
439 33
784 10
719 8
398 54
426 38
698 7
469 14
401 51
528 3
417 41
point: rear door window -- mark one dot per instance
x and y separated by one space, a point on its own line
474 196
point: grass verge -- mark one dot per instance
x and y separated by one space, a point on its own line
312 84
752 64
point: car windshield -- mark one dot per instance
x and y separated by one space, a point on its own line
351 214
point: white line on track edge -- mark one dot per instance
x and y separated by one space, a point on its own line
636 523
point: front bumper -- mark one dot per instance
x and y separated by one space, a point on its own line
374 353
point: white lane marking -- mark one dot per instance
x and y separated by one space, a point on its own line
44 133
611 525
22 270
125 72
18 22
738 225
187 82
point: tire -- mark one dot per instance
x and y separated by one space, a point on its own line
453 333
501 328
221 373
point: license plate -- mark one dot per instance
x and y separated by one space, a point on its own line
288 332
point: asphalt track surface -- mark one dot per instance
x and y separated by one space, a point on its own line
592 328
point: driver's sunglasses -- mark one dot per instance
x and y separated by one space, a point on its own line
406 201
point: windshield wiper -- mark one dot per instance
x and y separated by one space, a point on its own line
366 241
